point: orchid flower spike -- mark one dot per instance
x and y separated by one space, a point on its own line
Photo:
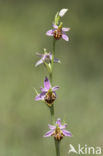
58 130
58 32
46 58
48 93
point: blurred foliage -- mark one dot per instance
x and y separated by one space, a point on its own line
80 98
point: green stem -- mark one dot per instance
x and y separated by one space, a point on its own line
51 78
52 113
57 145
53 54
54 41
52 61
50 75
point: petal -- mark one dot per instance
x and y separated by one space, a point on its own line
62 12
37 98
55 26
44 89
40 96
66 133
56 60
65 29
38 62
50 54
63 126
44 57
55 88
58 122
54 93
65 37
47 84
49 33
52 127
49 133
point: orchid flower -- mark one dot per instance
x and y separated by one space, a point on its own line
48 93
58 32
46 58
58 130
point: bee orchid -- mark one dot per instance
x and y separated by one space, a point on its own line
58 32
48 93
58 130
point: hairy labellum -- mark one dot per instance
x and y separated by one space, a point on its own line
57 34
50 98
58 134
48 59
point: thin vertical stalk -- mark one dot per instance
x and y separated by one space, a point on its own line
52 62
50 75
57 145
53 54
51 78
52 113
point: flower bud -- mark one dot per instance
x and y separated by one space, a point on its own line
62 12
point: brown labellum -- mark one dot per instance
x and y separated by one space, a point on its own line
58 135
58 34
50 98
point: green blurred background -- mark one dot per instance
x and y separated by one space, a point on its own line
23 121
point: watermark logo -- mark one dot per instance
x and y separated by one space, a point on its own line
84 149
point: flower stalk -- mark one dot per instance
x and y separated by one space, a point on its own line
57 146
52 113
48 93
57 143
51 78
52 61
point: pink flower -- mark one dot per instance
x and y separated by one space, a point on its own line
48 93
58 32
58 130
46 57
